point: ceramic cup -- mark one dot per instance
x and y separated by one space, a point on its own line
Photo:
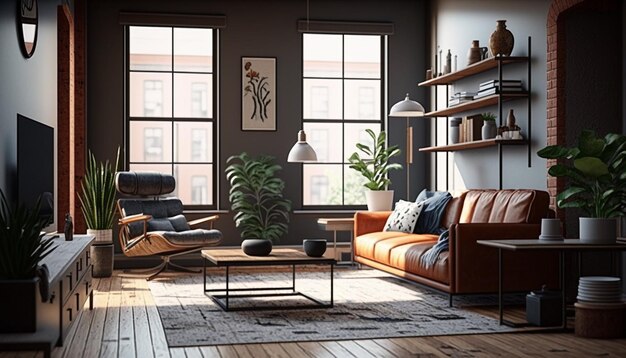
551 229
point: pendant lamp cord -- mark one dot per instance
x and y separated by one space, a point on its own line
307 15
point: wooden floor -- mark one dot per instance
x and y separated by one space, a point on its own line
125 323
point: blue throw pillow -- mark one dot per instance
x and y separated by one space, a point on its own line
429 221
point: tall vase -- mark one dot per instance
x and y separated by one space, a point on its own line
510 120
474 53
489 130
501 41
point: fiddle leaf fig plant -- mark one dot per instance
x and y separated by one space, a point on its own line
596 169
256 197
375 166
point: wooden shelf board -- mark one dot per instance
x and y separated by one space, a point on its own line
474 145
478 67
475 104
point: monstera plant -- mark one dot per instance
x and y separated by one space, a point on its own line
256 197
596 170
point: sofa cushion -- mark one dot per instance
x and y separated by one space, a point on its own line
407 258
404 216
504 206
383 248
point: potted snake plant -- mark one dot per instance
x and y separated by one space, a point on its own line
596 170
375 166
23 279
98 198
256 197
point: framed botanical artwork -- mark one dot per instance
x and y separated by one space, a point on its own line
258 93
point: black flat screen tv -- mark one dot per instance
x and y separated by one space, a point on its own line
35 165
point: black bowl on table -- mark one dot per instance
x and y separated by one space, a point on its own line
314 247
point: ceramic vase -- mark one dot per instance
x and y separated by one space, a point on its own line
256 247
474 53
489 130
453 130
501 41
510 120
597 230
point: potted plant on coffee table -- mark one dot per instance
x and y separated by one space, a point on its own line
98 198
374 166
256 197
596 170
22 247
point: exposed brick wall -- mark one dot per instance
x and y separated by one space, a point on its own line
80 109
555 120
65 115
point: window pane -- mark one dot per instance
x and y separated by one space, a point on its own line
354 191
362 99
194 183
150 48
159 168
355 133
322 99
193 95
322 184
362 56
193 50
322 55
194 142
325 138
150 141
150 94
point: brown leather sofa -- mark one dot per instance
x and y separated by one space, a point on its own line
467 267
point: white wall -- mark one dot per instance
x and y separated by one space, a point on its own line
458 22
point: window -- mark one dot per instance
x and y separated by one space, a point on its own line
342 97
171 117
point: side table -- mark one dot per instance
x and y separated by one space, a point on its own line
102 258
338 224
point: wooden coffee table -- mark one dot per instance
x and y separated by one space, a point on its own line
279 257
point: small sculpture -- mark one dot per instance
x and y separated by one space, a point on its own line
69 228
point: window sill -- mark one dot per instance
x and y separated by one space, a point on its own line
214 211
329 211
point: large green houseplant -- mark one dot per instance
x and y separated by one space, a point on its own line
98 197
256 197
374 167
22 247
596 170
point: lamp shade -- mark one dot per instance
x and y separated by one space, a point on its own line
406 108
302 151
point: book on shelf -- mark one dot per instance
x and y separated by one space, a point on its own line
470 128
504 83
497 90
457 101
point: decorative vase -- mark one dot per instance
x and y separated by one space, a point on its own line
489 130
453 130
104 236
256 247
501 41
510 120
597 230
379 200
314 247
474 53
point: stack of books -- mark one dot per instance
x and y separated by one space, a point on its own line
461 97
495 87
470 128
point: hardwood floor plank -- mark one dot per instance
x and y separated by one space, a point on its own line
294 350
193 352
143 339
78 344
392 347
159 341
126 340
354 348
227 351
110 334
418 347
100 300
244 352
315 349
336 349
176 353
209 352
275 350
458 347
375 349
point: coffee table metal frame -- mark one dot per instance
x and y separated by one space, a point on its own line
571 245
223 300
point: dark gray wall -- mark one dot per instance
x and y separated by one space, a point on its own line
27 86
258 29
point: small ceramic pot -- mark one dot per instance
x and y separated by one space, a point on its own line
256 247
314 247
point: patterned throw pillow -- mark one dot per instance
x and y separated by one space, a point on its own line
404 216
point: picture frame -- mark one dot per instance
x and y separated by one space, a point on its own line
258 93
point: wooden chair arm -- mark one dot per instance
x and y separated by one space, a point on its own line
134 218
211 219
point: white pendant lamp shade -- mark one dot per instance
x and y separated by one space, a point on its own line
406 108
302 151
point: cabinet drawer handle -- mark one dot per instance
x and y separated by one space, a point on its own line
77 301
70 311
69 275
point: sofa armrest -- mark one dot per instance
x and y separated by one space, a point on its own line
369 221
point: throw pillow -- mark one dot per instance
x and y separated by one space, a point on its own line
435 202
404 216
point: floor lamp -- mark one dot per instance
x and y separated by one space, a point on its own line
407 108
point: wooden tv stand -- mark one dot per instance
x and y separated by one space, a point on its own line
70 286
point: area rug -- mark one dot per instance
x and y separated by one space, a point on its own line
368 304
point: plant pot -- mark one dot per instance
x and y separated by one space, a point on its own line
18 305
102 259
102 236
379 200
314 247
256 247
597 230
